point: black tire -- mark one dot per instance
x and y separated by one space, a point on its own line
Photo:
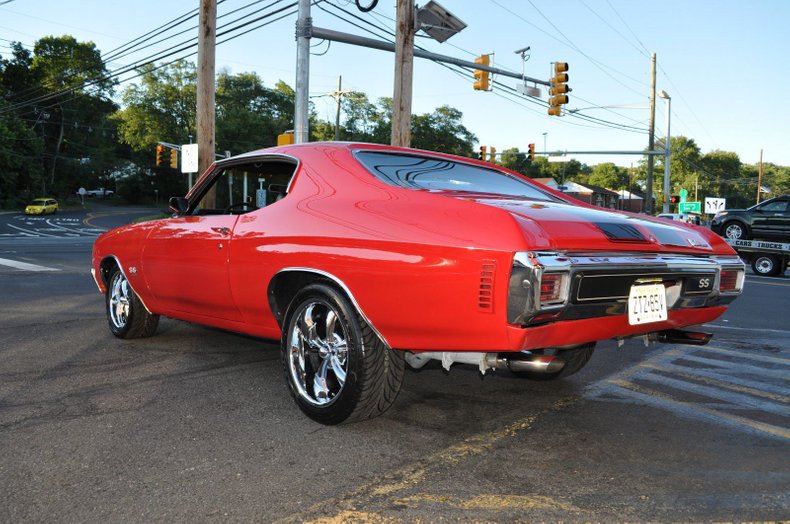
126 313
736 230
767 265
336 368
575 359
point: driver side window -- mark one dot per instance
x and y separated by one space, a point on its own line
242 188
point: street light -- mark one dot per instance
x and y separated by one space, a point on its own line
663 94
544 141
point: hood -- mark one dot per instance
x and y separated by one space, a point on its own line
569 227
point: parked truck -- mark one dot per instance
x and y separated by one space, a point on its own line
767 258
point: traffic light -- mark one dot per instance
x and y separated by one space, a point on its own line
482 154
674 199
531 154
160 154
481 77
492 155
559 88
173 159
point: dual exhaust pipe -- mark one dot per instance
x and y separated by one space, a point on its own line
526 361
517 362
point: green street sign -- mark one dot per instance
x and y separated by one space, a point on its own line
690 207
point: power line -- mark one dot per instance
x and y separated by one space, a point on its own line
181 47
588 118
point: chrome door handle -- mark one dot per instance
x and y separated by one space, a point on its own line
224 231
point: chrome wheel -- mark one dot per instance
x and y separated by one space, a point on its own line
118 307
318 353
734 231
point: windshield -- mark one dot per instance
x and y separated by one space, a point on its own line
439 174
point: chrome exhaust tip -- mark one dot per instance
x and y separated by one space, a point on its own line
525 361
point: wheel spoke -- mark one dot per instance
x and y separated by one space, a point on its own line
309 327
297 352
320 386
331 318
337 369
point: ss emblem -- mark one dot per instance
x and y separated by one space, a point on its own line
704 283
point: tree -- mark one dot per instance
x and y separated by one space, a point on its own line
19 148
609 175
249 115
514 160
161 107
443 131
77 88
61 91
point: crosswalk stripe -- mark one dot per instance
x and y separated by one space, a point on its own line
748 392
24 265
751 355
769 391
655 398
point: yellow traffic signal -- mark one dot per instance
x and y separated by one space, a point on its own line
160 152
481 77
531 154
492 155
285 139
559 89
482 155
173 159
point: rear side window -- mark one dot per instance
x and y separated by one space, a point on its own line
439 174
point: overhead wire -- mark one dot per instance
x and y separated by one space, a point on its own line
391 34
181 47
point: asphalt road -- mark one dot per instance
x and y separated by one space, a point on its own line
196 424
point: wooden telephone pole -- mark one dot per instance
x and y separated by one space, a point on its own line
651 138
404 68
206 119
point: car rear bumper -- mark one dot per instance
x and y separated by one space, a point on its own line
582 331
594 299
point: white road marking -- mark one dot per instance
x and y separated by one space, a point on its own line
30 232
24 265
747 390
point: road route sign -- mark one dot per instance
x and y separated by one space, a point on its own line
691 207
714 205
189 158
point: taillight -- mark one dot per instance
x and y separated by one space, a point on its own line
730 280
552 289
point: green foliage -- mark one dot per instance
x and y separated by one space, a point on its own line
161 107
442 131
58 102
20 178
249 115
609 175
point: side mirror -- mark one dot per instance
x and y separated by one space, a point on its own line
179 205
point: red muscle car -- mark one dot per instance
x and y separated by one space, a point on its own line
361 258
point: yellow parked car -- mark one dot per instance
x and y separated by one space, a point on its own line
42 206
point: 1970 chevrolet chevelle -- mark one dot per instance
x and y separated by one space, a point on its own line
362 258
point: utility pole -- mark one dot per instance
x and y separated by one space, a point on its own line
337 114
206 115
760 177
651 137
338 96
304 25
404 62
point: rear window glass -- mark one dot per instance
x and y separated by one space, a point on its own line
439 174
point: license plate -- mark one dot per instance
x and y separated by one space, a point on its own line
647 303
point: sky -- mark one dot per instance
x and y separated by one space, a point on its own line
722 63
